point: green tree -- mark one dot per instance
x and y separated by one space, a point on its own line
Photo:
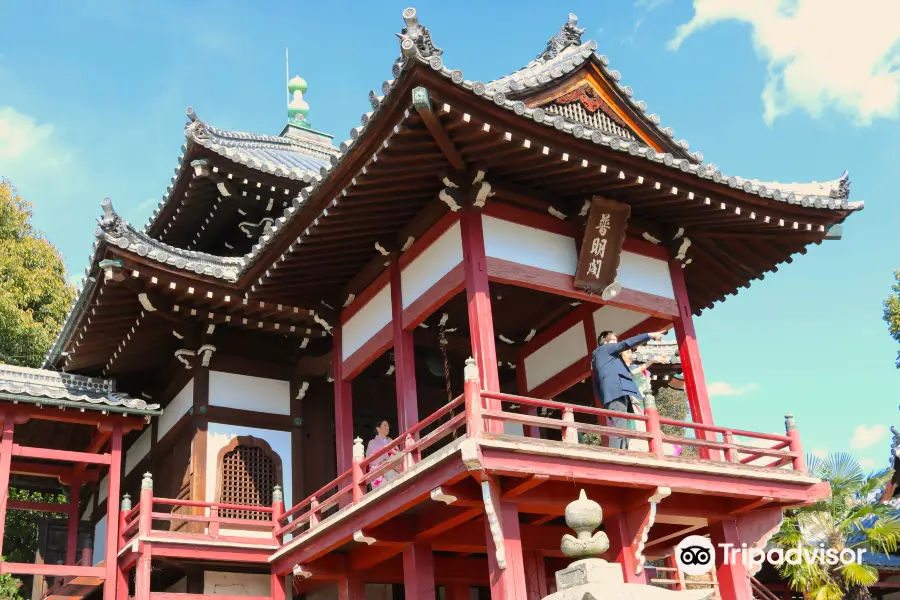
851 518
892 311
34 294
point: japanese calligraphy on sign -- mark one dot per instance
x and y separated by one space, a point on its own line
598 260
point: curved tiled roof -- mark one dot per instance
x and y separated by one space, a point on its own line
293 157
93 393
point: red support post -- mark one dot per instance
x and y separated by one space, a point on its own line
6 443
457 591
481 323
472 391
72 533
536 572
418 572
692 367
113 495
121 581
404 362
277 511
343 406
674 574
351 588
734 581
620 532
356 473
654 428
507 581
790 427
278 586
213 529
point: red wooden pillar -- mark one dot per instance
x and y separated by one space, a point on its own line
404 361
590 334
481 323
418 572
674 574
343 406
787 594
507 582
620 532
536 574
734 581
6 443
72 533
277 586
694 381
113 495
351 588
457 591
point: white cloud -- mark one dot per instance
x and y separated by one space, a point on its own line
866 437
819 452
723 388
821 54
867 463
27 146
648 5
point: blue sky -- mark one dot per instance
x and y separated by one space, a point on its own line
93 93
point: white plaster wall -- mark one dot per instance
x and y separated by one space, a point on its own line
99 541
89 510
175 410
428 268
235 584
219 435
619 320
645 274
249 393
179 587
138 450
529 246
368 321
554 356
102 489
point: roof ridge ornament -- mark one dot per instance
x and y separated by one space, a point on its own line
568 35
415 39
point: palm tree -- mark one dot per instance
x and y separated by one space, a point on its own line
852 518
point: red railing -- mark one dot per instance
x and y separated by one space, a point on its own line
139 519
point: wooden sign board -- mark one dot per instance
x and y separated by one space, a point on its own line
604 234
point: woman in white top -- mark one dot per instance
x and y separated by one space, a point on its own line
381 440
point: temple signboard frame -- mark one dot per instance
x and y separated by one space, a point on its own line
604 236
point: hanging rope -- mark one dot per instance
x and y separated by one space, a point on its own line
442 342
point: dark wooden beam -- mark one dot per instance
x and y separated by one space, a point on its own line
422 104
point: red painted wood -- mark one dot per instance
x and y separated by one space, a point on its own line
61 455
72 529
481 324
536 574
457 591
39 506
734 582
562 284
142 573
621 531
691 366
7 568
52 471
6 447
351 588
404 361
418 572
508 583
428 238
563 380
114 493
542 221
277 587
799 462
365 296
437 295
366 354
343 406
645 248
176 596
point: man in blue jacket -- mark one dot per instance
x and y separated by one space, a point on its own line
613 382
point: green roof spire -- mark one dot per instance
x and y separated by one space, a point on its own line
298 109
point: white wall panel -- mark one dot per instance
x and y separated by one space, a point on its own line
99 542
619 320
554 356
249 393
529 246
138 450
235 584
645 274
428 268
368 321
175 410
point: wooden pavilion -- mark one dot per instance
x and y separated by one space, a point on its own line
289 294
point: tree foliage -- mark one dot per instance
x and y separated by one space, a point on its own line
851 518
892 311
34 294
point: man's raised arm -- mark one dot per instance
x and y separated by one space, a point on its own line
636 341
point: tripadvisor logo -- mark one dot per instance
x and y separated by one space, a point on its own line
696 555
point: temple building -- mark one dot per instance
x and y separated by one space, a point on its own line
447 269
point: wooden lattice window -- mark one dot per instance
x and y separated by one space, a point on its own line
248 471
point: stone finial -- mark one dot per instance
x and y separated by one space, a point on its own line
415 39
359 452
583 516
147 482
568 35
471 370
277 494
125 506
789 423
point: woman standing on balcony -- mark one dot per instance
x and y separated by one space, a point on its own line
381 440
